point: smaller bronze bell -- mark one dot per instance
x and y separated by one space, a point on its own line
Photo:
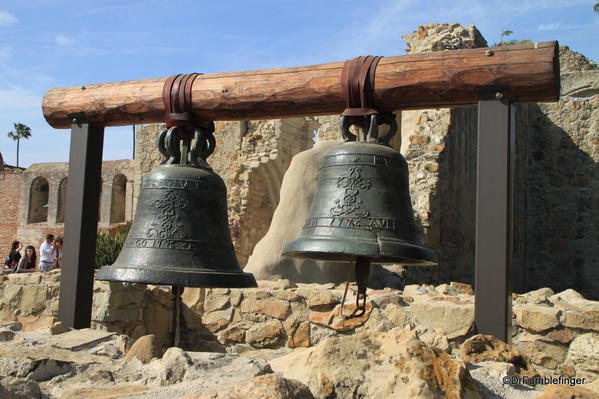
180 235
362 207
361 210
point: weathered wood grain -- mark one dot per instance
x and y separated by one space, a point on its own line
528 73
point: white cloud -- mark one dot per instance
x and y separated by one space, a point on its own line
556 26
63 40
18 99
7 19
562 26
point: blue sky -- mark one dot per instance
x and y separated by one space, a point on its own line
57 43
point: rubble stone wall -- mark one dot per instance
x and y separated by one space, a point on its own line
557 147
557 331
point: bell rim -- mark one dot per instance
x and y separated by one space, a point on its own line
334 250
184 277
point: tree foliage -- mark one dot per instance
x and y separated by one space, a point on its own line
505 34
109 244
21 131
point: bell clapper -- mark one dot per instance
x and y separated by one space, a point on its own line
177 292
362 274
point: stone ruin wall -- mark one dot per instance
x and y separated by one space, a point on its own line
251 157
15 197
54 173
557 214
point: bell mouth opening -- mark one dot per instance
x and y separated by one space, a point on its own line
184 278
343 250
343 257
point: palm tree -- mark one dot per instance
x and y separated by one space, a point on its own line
596 7
21 132
505 33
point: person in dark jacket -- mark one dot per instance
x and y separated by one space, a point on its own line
14 255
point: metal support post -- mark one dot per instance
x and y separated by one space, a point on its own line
81 223
494 218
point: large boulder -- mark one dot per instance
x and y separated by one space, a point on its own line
297 190
270 386
481 348
395 364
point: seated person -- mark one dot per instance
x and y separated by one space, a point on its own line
27 262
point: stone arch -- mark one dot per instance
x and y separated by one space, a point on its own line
118 199
62 200
38 200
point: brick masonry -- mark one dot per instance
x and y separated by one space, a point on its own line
16 195
10 196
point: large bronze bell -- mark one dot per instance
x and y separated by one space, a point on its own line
362 207
180 235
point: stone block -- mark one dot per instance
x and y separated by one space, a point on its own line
560 391
300 338
319 298
218 320
419 140
25 278
481 348
281 284
269 307
173 366
271 386
19 388
546 354
452 319
536 318
122 391
212 303
582 355
145 348
564 336
76 340
340 323
232 334
267 335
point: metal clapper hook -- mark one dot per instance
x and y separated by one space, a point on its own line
362 274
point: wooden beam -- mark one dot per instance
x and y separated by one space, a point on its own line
526 73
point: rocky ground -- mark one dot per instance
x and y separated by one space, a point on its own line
95 364
286 340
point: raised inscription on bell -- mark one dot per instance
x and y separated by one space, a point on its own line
360 159
367 223
186 245
180 184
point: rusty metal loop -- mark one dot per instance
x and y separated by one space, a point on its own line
369 129
392 130
160 143
198 144
172 145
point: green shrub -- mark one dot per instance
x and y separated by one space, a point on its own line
109 244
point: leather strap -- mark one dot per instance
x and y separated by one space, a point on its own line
176 95
357 83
